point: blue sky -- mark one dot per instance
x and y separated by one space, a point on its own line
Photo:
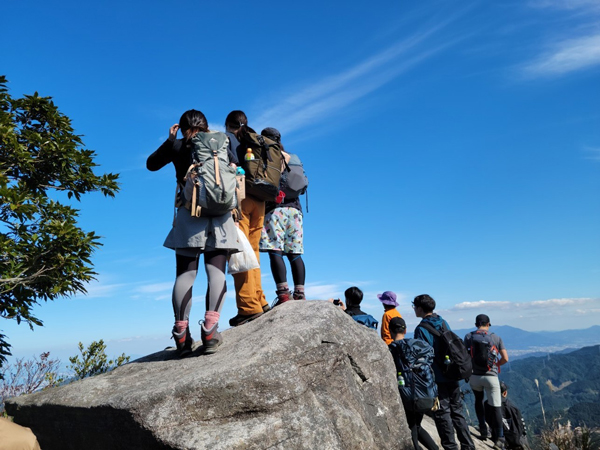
453 148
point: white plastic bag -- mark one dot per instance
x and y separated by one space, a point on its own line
245 260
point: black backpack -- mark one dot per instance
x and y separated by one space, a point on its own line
416 381
263 171
452 359
515 432
483 352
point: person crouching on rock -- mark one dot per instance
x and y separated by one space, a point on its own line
215 236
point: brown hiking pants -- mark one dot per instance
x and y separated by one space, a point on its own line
249 295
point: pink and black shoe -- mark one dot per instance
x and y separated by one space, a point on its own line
211 339
183 340
282 297
297 295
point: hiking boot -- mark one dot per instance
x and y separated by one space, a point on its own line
241 319
484 434
266 308
499 444
282 297
211 339
299 296
183 342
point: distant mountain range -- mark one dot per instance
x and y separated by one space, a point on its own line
520 343
569 385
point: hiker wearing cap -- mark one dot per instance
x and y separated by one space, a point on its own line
413 359
449 417
215 236
282 235
249 296
488 354
515 431
388 299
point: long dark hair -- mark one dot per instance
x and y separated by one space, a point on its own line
237 123
235 120
191 122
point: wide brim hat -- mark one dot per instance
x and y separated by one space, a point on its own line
388 298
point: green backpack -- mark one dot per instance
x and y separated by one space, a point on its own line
210 181
263 171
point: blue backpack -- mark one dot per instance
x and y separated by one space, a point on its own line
367 320
416 382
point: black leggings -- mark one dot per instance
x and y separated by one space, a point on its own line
417 432
278 267
187 269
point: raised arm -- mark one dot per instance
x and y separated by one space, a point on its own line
164 154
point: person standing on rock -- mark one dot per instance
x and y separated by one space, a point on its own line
249 296
213 236
449 417
488 353
282 235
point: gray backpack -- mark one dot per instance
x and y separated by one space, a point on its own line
293 180
210 181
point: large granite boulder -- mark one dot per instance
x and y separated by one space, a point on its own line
303 376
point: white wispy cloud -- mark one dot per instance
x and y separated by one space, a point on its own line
573 44
99 289
551 314
324 97
567 56
324 291
592 153
155 288
216 127
553 304
566 4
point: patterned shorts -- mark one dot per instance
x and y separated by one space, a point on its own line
282 231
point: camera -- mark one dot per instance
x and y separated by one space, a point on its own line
337 302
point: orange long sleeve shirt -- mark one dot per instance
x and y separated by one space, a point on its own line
385 324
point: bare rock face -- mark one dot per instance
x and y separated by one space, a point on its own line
303 376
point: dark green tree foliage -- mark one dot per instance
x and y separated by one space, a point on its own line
94 361
43 253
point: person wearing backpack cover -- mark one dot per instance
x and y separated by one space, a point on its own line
413 359
449 417
214 236
282 233
249 295
488 354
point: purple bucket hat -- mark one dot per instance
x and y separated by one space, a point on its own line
388 298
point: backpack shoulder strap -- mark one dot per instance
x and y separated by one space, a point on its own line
431 328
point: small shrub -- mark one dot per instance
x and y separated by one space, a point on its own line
94 361
564 437
27 376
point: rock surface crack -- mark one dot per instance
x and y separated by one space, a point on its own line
357 368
